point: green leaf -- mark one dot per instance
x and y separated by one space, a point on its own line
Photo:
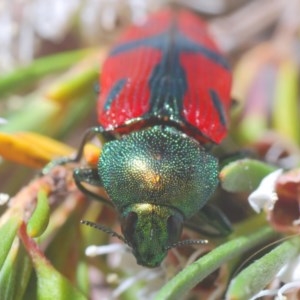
69 88
50 283
262 271
211 221
40 217
286 101
244 175
24 271
51 119
82 277
189 277
39 68
15 273
7 233
68 240
8 273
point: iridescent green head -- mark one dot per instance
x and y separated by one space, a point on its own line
156 178
149 229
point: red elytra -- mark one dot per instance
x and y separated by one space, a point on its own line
167 71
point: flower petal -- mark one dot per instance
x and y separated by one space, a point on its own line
264 196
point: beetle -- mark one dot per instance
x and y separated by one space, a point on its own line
165 96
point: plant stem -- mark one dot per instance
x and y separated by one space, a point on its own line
197 271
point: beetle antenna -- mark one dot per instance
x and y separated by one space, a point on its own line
104 229
187 243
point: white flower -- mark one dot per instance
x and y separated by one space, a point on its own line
288 287
120 256
3 121
3 198
279 293
93 250
291 271
264 197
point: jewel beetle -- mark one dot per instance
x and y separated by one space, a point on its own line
165 96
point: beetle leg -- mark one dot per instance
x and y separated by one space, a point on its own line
210 221
89 176
89 134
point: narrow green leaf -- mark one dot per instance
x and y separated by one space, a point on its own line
183 282
7 233
23 270
78 110
40 217
8 274
82 277
24 120
73 86
50 283
262 271
52 119
244 175
211 221
39 68
286 101
68 240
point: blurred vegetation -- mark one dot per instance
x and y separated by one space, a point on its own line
42 242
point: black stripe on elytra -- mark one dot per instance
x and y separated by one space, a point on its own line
113 93
183 43
192 47
167 82
218 106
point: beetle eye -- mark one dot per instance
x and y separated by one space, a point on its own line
129 226
174 226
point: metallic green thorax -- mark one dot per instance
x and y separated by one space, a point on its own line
156 174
